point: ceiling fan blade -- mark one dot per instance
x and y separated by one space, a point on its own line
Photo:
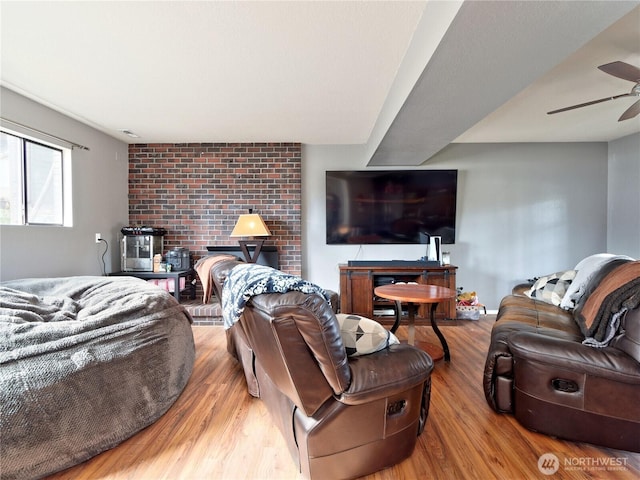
593 102
622 70
630 112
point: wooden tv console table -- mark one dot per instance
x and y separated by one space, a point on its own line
357 283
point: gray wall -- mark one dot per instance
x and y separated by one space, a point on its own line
623 232
100 197
523 210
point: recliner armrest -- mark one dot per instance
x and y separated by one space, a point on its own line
601 362
386 372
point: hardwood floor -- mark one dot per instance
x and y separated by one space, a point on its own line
217 431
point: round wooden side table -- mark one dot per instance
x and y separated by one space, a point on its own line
413 295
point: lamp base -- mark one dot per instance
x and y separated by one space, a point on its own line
244 246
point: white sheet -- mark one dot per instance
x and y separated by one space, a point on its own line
586 268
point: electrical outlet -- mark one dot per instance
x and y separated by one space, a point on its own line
98 237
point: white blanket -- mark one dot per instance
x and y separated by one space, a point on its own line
586 269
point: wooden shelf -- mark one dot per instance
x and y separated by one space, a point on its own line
357 284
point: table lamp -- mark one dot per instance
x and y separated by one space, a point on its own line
249 226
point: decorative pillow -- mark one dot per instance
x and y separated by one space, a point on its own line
551 288
362 335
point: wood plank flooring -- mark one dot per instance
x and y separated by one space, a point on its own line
217 431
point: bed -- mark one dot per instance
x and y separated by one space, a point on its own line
85 363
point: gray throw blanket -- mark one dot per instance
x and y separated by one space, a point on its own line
616 290
85 362
249 279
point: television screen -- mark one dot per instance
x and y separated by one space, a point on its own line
399 206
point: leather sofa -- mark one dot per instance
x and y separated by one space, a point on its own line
341 417
539 370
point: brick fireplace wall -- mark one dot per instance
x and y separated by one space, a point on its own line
197 190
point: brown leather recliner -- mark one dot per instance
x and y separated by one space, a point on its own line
341 417
538 369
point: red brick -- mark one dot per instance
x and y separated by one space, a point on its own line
196 191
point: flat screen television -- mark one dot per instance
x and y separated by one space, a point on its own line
383 206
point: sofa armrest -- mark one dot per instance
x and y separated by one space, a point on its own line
384 373
521 288
497 380
334 297
606 362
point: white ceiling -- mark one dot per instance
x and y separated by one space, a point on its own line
311 72
493 51
576 80
316 72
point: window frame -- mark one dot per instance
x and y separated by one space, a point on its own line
64 199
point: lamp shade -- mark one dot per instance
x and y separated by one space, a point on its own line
250 225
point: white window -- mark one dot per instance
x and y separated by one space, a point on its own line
33 180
